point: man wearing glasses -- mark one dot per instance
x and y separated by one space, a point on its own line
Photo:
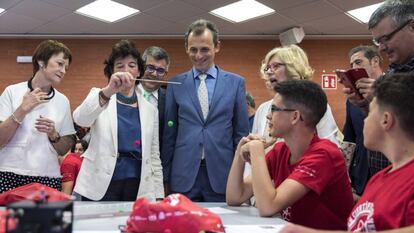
303 178
392 28
156 62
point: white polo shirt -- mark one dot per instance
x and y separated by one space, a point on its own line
29 151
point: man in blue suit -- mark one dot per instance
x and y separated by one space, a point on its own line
206 117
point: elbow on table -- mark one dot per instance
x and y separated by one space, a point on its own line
266 211
233 201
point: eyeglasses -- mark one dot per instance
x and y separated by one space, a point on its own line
274 66
160 71
382 39
274 108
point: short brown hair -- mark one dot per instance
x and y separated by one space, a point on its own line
369 52
46 49
123 49
306 96
394 91
198 27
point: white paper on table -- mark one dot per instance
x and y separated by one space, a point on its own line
220 210
253 228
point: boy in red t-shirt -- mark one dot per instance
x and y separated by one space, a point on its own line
304 178
388 200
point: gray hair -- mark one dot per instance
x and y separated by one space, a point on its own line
400 12
198 27
157 53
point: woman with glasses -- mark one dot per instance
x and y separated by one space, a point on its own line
285 63
35 122
122 161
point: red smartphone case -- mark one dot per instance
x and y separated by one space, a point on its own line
349 77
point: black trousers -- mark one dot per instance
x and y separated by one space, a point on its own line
120 190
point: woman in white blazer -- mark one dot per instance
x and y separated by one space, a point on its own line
122 161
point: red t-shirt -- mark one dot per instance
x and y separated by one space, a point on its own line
387 202
70 167
322 169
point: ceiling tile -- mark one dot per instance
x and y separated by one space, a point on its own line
143 5
343 25
353 4
310 30
267 25
210 4
6 4
283 4
225 27
68 4
181 11
306 12
18 23
137 25
69 24
36 9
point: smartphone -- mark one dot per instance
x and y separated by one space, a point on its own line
349 77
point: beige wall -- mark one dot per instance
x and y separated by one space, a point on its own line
239 56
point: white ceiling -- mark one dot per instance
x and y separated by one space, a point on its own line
170 18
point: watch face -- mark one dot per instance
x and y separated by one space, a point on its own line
54 140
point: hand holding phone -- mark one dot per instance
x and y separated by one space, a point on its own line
349 78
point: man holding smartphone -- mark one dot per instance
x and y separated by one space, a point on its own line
362 166
392 28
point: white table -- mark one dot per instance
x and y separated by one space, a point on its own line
108 216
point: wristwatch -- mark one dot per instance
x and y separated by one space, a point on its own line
54 140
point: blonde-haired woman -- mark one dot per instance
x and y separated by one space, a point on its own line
284 63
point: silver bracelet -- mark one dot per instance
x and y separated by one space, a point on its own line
14 118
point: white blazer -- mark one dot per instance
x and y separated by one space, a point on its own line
100 158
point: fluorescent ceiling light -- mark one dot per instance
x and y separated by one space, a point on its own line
242 10
107 11
1 11
364 13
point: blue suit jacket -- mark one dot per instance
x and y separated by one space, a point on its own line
219 134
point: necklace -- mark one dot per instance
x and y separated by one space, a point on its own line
127 100
50 95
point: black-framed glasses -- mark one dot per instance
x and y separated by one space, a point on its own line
151 68
273 66
275 108
385 38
